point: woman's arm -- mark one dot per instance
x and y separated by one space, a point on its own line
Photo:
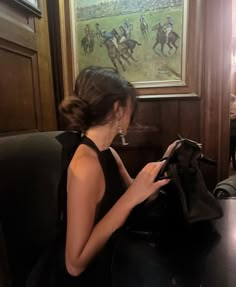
123 171
85 189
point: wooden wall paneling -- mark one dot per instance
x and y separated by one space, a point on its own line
169 122
26 93
49 121
19 110
215 98
145 129
19 87
143 137
189 115
16 30
11 11
156 125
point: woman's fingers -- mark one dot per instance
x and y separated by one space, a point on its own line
152 169
176 144
145 184
161 183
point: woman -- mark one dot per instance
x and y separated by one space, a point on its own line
100 192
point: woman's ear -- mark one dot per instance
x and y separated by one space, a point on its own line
118 110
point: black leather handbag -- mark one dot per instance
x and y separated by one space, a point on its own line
188 188
185 200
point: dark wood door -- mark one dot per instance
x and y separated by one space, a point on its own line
26 90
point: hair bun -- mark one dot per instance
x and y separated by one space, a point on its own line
82 105
77 111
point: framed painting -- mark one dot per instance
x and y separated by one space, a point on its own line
147 41
32 5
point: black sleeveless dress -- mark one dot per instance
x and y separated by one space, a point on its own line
50 270
127 259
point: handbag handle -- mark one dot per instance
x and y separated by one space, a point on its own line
161 175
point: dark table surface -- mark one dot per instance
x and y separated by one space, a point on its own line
202 254
220 262
205 256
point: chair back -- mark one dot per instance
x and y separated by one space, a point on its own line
30 172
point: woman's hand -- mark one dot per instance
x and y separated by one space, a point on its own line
175 144
144 185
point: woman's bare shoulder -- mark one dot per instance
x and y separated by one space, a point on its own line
84 158
85 171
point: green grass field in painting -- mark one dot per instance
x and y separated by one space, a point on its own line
149 66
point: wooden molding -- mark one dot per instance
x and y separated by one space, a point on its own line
65 29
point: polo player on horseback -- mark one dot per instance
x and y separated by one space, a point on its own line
128 27
161 38
168 27
110 36
88 40
98 31
123 35
143 25
87 32
142 19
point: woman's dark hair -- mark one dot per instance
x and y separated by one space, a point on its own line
96 91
